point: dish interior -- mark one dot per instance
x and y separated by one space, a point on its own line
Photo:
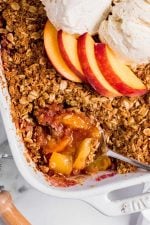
95 184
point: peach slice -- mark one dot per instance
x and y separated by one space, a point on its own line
59 146
90 68
116 73
68 47
82 154
53 52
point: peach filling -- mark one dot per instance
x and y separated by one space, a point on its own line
72 142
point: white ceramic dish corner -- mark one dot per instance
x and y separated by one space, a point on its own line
93 192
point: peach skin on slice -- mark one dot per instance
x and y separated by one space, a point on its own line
53 52
68 47
116 73
90 68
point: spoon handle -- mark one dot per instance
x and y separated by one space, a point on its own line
133 162
9 213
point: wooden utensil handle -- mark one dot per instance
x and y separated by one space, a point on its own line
8 212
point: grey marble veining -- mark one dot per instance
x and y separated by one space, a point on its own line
9 175
10 178
2 132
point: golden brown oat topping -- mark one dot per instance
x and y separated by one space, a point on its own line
33 83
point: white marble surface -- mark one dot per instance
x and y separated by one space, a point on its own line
45 210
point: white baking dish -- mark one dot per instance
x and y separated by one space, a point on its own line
93 192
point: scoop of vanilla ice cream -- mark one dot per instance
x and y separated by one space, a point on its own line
77 16
127 31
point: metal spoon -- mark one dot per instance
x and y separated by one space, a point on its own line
115 155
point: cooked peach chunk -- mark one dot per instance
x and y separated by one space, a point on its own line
82 154
69 150
75 121
94 132
61 163
53 146
102 163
